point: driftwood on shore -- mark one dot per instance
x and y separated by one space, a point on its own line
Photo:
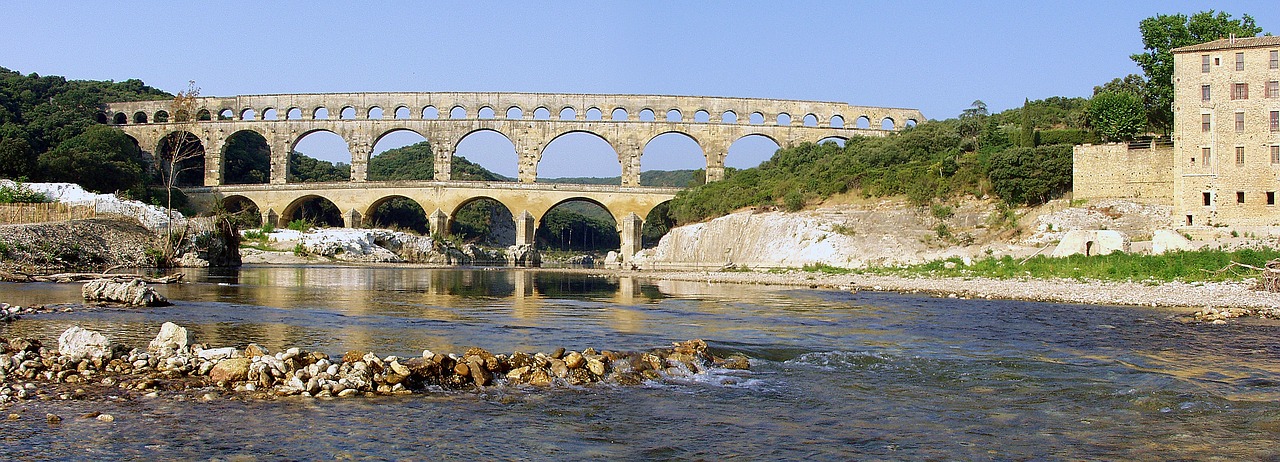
6 276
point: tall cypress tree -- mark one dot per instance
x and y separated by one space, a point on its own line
1028 129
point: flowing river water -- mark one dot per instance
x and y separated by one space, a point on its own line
834 376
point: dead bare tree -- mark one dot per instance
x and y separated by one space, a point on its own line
181 147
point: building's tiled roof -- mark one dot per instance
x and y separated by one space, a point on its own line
1227 44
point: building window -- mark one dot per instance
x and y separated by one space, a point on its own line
1239 155
1239 122
1240 91
1239 61
1204 64
1239 197
1275 154
1206 123
1271 198
1275 59
1273 89
1204 155
1208 198
1204 92
1188 220
1275 121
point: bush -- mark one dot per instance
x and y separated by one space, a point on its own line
301 225
794 201
20 193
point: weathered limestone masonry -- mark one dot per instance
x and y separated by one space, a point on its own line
1227 132
1224 166
1138 172
531 121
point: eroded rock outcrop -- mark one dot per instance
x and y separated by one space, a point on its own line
134 293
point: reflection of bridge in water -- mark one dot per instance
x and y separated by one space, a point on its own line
530 121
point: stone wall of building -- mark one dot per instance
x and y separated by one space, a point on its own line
1138 172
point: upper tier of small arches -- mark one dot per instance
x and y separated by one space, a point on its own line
518 106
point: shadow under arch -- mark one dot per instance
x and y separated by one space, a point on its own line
180 155
315 208
656 224
246 158
398 212
578 224
243 210
483 220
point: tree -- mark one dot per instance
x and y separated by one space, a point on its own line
101 159
1028 137
1161 34
1031 175
17 159
1117 115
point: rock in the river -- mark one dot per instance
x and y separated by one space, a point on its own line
133 293
77 343
172 338
230 370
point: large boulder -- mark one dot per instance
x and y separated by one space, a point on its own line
172 338
133 293
230 370
523 255
78 343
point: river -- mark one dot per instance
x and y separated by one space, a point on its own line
835 375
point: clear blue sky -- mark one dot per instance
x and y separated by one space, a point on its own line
935 56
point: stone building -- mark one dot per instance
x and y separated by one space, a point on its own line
1226 115
1223 168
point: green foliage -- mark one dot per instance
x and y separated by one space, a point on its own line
825 269
1161 34
794 201
401 213
474 221
248 159
1048 113
304 169
1201 265
300 250
1031 175
1117 116
100 159
18 193
417 162
564 228
1028 137
17 159
942 211
1071 136
668 178
301 225
656 225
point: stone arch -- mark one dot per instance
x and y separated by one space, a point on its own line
416 220
669 142
582 237
320 113
243 208
647 115
294 113
809 120
674 115
542 113
619 114
374 113
594 114
226 114
181 115
161 117
838 140
430 113
568 113
573 132
729 117
493 158
120 118
139 117
255 166
270 113
407 164
837 121
911 123
486 112
458 112
754 152
325 213
402 112
100 117
702 116
657 222
498 221
348 113
204 114
783 119
515 112
887 123
756 118
248 114
389 131
863 121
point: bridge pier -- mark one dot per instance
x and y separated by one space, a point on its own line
271 217
351 219
360 152
629 229
439 222
443 167
526 227
280 162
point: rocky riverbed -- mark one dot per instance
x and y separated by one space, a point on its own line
87 365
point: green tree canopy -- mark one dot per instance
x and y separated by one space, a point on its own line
1161 34
1117 115
100 159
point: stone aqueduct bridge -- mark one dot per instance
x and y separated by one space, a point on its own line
531 121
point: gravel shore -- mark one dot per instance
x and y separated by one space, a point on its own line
1172 294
